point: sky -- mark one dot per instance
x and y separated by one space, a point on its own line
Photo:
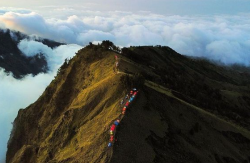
166 7
215 29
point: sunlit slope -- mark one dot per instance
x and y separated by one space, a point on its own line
69 122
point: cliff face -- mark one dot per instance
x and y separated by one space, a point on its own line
187 111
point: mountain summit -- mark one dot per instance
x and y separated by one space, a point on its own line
186 110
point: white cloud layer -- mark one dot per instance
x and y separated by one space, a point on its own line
221 38
16 94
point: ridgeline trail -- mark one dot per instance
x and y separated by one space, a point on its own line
187 111
124 105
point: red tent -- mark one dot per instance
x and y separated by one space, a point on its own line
112 127
111 138
127 103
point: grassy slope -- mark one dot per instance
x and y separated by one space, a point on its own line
201 111
69 122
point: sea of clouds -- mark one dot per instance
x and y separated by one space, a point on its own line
16 94
222 38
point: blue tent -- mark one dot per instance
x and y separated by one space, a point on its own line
116 123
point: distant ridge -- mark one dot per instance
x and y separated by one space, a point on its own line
12 60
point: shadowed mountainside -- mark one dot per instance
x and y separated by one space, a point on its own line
188 110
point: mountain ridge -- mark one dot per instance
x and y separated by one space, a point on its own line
181 114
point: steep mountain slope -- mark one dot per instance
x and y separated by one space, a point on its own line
12 59
69 121
167 129
188 110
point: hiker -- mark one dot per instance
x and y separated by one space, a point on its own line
131 92
122 102
126 96
123 112
127 103
109 144
111 132
116 66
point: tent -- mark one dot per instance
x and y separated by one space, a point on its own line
116 122
111 138
112 127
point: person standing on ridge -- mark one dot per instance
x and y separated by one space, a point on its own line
122 101
127 96
117 64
